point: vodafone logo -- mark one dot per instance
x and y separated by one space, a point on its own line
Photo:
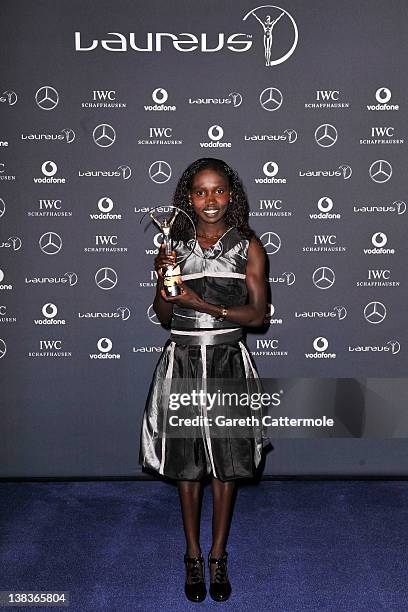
160 95
270 168
49 168
215 132
383 95
104 346
320 345
379 239
325 204
49 310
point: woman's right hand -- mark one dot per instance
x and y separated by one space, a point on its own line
162 260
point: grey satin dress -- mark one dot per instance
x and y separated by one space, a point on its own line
210 356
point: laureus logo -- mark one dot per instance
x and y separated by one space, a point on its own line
270 18
158 42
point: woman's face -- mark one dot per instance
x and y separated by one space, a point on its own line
209 195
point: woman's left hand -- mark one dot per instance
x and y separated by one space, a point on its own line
187 298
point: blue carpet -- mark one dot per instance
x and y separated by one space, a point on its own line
293 546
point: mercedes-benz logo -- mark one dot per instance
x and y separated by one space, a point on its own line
271 242
50 243
2 207
160 172
323 277
106 278
152 316
375 312
3 348
380 171
271 99
104 135
325 135
47 97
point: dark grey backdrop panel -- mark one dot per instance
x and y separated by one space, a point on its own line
78 341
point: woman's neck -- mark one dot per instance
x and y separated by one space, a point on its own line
211 230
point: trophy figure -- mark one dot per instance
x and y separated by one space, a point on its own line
171 274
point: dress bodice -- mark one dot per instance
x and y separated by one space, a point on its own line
217 274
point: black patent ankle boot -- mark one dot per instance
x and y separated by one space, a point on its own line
220 589
194 587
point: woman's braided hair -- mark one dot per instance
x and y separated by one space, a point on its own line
237 212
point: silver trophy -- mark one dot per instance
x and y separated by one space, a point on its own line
171 274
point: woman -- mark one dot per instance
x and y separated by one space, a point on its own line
223 289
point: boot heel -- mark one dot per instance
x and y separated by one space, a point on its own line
195 590
220 589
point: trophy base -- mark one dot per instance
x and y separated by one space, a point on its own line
172 290
171 276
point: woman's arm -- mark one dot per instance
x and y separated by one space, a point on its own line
163 309
251 314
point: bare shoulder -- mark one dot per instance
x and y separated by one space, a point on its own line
256 263
255 249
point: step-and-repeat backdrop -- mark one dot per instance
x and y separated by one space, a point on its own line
103 105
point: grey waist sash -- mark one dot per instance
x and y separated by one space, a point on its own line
206 336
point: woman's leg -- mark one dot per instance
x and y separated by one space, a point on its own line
190 499
223 501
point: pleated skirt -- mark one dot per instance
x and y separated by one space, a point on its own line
190 453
